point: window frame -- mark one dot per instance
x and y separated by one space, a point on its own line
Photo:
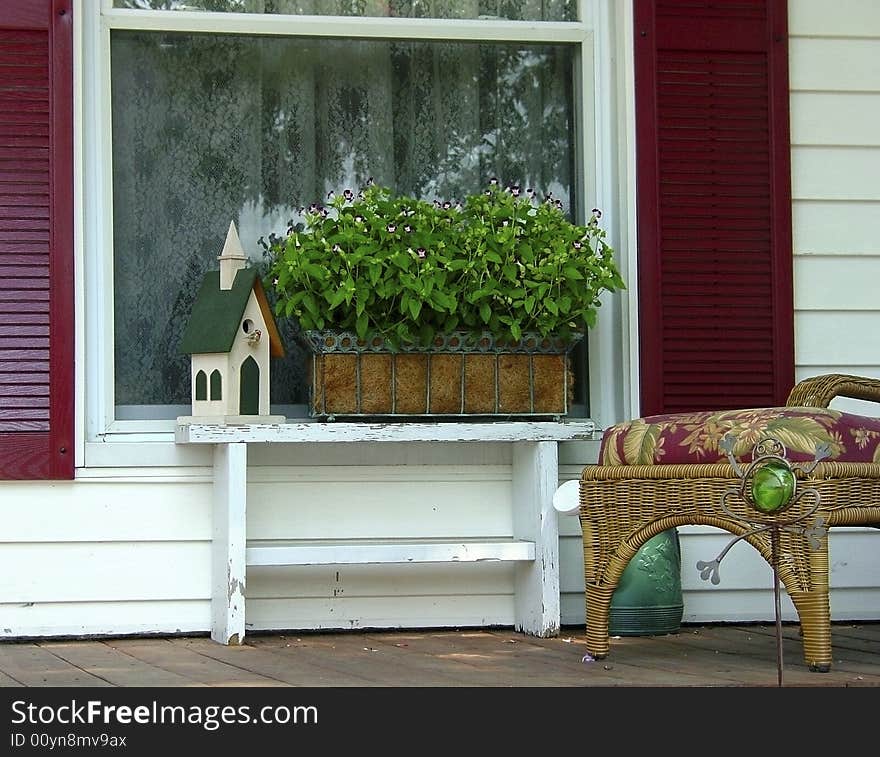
597 113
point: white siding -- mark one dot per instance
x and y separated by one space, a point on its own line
835 105
128 550
131 554
124 551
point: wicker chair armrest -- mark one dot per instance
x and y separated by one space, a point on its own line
818 391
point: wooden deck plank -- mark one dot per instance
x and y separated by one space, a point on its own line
481 658
743 656
510 659
303 669
718 656
437 667
851 638
31 665
638 660
7 681
112 664
375 662
748 654
173 655
853 657
351 656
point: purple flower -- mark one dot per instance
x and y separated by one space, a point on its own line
407 228
577 245
348 195
493 181
597 212
447 205
421 252
391 228
515 190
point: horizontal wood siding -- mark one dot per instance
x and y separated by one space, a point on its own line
835 105
127 555
131 553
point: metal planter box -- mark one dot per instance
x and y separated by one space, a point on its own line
462 374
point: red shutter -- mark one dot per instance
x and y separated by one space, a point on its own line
36 240
716 310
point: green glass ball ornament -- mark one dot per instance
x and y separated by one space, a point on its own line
772 486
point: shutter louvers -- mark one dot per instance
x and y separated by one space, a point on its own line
717 329
36 317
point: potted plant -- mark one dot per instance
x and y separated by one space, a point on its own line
418 307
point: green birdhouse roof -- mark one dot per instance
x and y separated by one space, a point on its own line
216 314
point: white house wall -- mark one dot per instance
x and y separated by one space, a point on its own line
122 551
835 106
127 550
834 70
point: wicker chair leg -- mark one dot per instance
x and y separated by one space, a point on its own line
598 601
814 609
815 629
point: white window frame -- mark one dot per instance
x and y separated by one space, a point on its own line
602 78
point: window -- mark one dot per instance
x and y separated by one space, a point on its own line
250 116
201 386
216 386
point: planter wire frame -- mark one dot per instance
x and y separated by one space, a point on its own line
460 375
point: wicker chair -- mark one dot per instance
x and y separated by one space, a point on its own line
622 506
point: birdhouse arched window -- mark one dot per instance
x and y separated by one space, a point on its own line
216 385
201 386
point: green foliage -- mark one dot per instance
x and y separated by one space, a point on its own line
408 269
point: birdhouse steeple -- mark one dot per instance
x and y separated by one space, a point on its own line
232 259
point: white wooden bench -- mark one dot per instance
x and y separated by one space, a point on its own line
534 545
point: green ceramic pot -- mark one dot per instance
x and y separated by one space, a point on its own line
648 600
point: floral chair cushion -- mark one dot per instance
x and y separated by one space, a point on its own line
695 437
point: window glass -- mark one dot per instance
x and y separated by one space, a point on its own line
513 10
213 128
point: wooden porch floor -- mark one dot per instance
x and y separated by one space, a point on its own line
719 655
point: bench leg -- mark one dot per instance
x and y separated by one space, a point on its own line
535 479
229 541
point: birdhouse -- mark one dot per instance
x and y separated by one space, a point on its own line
231 335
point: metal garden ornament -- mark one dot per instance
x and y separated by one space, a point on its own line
769 487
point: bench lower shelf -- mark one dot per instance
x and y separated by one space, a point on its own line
362 552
